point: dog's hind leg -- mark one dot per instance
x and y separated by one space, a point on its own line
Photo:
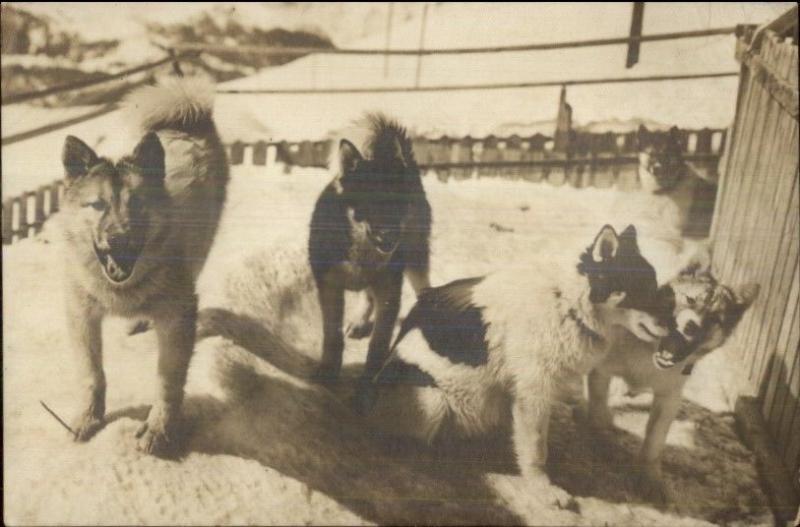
331 303
599 415
362 327
84 318
174 323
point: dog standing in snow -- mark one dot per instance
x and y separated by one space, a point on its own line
478 344
136 233
701 314
370 226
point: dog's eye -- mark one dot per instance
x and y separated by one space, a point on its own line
691 301
98 204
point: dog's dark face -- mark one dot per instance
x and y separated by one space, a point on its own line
378 190
702 314
613 265
117 205
663 156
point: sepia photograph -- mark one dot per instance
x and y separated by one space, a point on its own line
400 263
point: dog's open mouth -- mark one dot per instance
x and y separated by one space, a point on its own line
384 244
117 267
672 349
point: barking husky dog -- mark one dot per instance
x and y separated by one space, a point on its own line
370 225
481 343
702 314
137 232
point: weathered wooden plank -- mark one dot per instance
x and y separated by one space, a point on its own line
8 221
38 211
769 180
22 217
791 458
237 153
260 153
734 178
754 126
789 424
750 128
781 369
782 259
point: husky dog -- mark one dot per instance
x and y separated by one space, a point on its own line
663 170
478 344
702 314
661 160
371 225
136 233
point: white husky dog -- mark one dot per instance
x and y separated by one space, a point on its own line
469 348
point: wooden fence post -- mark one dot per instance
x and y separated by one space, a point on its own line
39 213
8 218
22 216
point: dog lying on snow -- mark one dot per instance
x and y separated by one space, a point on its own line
136 235
477 344
701 314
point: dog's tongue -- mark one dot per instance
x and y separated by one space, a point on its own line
671 350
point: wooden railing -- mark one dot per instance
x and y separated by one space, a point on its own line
25 214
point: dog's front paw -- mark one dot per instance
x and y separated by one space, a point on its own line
539 487
360 330
158 434
87 425
653 487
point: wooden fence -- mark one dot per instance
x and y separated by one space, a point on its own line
25 214
590 159
756 232
600 160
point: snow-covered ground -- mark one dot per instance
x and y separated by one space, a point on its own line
266 447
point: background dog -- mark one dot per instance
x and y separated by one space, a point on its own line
469 348
701 314
370 225
137 232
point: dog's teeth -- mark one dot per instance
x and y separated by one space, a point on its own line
662 363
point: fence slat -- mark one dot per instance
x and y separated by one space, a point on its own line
8 221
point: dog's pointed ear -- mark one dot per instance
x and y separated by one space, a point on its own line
605 244
628 236
396 152
148 156
349 156
77 157
746 295
743 297
698 264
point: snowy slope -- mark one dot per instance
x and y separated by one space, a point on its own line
265 447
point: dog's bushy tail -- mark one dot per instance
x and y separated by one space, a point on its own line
184 104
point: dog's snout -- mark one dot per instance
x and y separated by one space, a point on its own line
117 243
691 329
688 322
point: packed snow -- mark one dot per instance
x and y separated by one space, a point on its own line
263 446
